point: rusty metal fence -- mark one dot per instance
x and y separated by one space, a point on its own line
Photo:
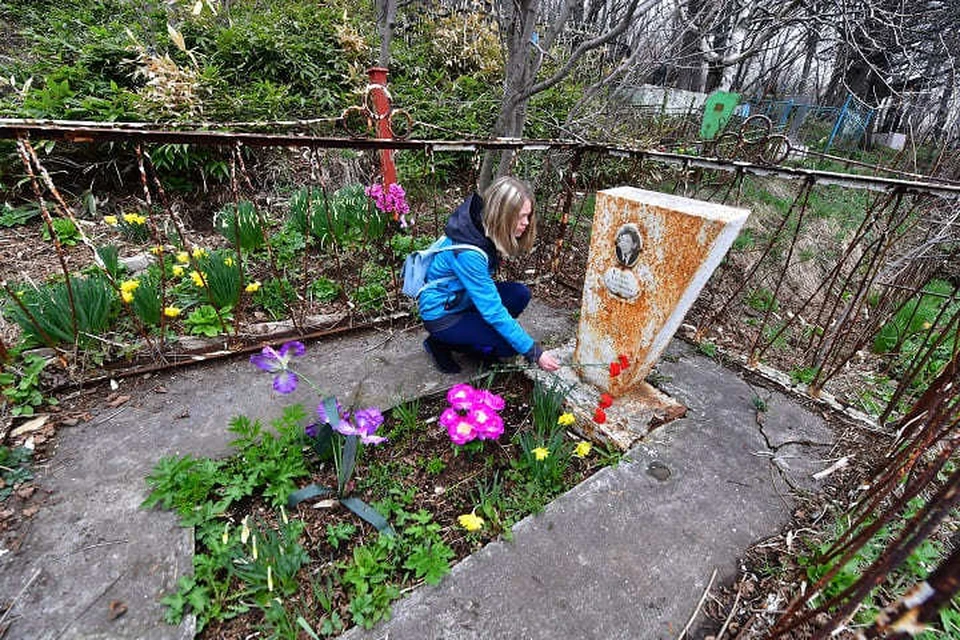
844 282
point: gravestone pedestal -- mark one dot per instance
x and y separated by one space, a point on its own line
650 256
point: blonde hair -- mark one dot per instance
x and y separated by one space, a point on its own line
502 202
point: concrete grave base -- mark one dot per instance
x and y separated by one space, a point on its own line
631 417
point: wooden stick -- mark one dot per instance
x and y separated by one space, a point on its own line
703 598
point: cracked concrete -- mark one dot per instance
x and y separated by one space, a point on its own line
628 553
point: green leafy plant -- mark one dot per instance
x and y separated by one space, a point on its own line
323 290
241 224
276 296
803 375
545 454
339 533
204 321
346 216
761 300
146 302
11 216
708 349
66 231
21 385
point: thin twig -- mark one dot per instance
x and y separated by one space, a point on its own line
14 603
733 610
696 611
94 546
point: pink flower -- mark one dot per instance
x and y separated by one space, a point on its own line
486 421
463 396
460 429
491 400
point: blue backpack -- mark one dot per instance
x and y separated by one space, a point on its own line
416 264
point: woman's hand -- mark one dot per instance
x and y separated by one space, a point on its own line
547 362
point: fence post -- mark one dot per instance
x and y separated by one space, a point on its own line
381 104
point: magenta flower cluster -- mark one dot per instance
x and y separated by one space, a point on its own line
392 199
472 414
364 424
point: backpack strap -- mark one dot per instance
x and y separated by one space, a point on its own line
453 247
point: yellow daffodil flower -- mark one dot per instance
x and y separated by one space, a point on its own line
471 521
583 449
110 221
126 296
156 250
228 261
199 252
253 287
129 285
177 270
566 419
198 278
129 217
183 257
171 312
541 453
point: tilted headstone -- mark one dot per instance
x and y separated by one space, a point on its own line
650 256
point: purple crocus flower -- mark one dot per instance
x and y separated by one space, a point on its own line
277 362
364 426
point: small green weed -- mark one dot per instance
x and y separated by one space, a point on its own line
14 468
323 290
803 375
21 385
66 231
204 321
761 300
11 216
708 349
339 533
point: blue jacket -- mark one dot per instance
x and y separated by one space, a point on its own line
473 284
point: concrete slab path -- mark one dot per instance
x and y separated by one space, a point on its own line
624 555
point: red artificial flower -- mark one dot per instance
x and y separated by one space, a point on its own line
624 363
599 416
605 400
614 369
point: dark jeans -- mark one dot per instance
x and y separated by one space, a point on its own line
472 333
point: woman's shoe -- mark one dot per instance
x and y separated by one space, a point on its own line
442 355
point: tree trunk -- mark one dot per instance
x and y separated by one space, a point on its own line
386 19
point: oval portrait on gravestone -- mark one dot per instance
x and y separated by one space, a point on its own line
629 242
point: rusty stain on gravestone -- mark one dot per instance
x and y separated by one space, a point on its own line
650 256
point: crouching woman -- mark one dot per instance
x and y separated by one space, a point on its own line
465 310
